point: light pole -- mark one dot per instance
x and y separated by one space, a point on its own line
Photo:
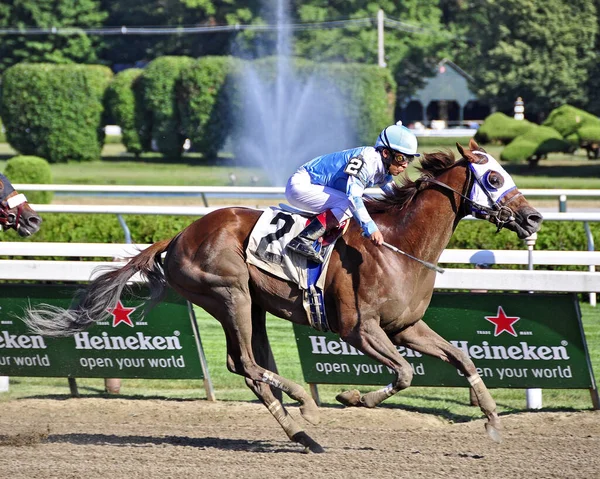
519 109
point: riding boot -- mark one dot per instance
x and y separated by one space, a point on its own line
303 243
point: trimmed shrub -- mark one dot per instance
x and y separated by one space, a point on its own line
501 128
536 143
567 120
589 133
204 99
31 170
55 111
159 80
125 103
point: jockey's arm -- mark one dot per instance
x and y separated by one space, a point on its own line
355 190
388 188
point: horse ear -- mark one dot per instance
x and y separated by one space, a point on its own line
473 145
460 148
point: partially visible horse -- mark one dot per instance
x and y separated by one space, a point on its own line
374 298
15 212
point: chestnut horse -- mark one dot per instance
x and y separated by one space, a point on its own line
374 297
15 212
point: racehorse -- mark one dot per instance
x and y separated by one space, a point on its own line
15 212
375 298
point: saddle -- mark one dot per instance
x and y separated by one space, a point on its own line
267 250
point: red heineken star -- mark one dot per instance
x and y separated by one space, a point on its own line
503 322
121 314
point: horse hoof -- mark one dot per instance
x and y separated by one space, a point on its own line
309 444
493 433
349 398
310 412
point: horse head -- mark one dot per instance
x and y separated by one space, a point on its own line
493 195
15 212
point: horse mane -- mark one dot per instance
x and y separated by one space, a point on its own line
432 164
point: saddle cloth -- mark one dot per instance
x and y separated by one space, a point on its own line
266 248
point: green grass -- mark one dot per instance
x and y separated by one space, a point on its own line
452 403
118 167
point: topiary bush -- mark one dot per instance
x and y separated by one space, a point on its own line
159 80
124 101
567 120
501 128
204 99
31 170
534 145
55 111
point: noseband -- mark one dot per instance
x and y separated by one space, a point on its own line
497 214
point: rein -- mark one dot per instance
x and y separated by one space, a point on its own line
498 214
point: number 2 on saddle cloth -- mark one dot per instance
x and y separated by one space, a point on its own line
267 250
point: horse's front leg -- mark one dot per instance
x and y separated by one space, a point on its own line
372 340
423 339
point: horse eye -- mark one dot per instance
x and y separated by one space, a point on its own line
495 179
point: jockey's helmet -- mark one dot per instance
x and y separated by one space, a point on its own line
398 138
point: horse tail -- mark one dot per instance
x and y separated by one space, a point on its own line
101 295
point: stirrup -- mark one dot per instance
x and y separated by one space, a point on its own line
305 250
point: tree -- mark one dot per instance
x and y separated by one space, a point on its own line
540 50
49 48
412 47
131 48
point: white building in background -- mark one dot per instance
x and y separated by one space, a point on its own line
445 101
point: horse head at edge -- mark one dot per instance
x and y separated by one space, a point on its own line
493 195
15 212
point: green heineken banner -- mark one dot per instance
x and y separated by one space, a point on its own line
515 341
164 344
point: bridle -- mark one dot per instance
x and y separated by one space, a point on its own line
8 219
498 214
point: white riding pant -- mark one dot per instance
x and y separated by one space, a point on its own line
303 194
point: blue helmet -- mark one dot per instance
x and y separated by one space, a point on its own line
398 138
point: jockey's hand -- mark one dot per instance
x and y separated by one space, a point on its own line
377 238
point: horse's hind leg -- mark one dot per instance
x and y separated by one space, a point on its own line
261 346
423 339
263 388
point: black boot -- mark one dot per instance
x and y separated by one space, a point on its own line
303 243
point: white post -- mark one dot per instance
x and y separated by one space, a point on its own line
380 45
3 384
519 109
533 396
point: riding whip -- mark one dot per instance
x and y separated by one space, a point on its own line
424 263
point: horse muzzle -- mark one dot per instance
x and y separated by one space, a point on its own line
527 220
25 225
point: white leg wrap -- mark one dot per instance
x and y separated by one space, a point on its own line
474 379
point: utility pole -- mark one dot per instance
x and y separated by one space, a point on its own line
380 45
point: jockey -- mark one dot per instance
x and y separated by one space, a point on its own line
332 185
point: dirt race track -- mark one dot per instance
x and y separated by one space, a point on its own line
118 438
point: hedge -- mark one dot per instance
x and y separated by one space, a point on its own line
159 80
101 228
536 143
31 170
204 100
500 128
55 111
567 120
124 101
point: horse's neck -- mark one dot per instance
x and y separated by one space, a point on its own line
427 224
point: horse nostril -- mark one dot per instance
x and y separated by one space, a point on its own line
535 219
34 221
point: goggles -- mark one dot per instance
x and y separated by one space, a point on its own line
400 158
